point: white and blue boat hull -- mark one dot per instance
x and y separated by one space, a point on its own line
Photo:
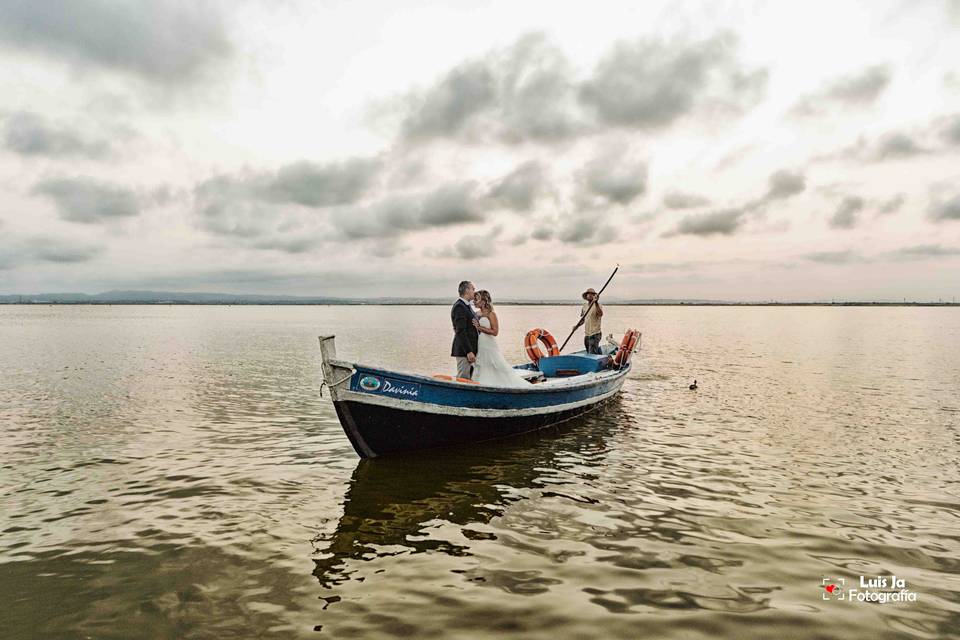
385 412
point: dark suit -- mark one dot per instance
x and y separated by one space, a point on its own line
465 336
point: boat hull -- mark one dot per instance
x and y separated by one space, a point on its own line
376 430
388 412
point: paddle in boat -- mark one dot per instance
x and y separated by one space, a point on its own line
388 412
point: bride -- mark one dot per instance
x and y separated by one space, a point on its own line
491 368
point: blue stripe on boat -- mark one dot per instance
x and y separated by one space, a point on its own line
380 382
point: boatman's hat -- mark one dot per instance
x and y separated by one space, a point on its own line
590 290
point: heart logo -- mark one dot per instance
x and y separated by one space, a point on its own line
831 588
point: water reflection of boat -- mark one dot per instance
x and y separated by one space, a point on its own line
390 412
390 499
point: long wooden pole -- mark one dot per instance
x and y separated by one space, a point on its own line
593 302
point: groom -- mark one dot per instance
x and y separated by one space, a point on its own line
465 336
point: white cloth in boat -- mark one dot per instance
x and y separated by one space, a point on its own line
491 368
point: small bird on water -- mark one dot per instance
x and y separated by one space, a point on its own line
693 387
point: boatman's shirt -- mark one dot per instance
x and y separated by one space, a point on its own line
591 323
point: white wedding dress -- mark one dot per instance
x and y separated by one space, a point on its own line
491 368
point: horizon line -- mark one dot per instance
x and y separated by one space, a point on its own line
153 297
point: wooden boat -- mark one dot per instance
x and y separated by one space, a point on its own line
386 412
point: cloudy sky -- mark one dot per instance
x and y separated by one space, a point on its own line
724 150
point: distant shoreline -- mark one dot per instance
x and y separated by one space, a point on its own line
219 298
35 303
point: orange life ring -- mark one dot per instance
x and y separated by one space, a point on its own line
533 349
627 345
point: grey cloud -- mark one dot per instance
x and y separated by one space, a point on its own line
521 93
859 150
578 231
605 234
314 185
519 189
784 184
164 42
845 217
61 252
296 244
406 173
891 205
477 246
28 134
536 92
615 176
223 211
650 84
924 251
834 257
896 145
87 200
748 88
865 86
393 216
164 195
936 137
51 249
462 93
451 204
856 89
544 231
644 218
733 157
945 208
448 205
304 183
529 92
386 249
723 222
586 231
681 200
258 204
236 219
950 132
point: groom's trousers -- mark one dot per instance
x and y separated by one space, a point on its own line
464 368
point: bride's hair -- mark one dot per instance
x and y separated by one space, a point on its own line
485 299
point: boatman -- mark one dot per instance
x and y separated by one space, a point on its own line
590 315
465 336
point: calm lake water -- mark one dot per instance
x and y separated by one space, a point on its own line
172 472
